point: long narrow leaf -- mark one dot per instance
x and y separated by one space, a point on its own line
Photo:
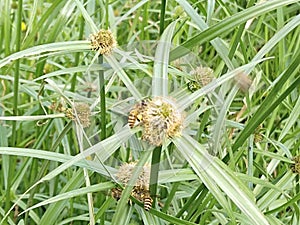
226 25
212 169
161 62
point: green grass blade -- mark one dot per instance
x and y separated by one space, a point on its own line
46 48
270 102
227 24
73 193
212 170
161 62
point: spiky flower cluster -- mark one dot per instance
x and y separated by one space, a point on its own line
81 111
103 41
296 166
202 76
161 119
125 172
140 190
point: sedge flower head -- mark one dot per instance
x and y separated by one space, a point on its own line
140 190
125 172
161 120
103 41
81 111
203 75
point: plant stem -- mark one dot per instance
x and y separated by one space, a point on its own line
15 104
154 173
102 100
162 16
77 56
250 161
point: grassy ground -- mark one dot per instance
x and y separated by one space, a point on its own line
229 69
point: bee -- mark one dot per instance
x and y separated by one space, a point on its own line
135 115
147 201
116 193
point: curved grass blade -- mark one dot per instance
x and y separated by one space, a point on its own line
226 25
270 102
161 62
211 169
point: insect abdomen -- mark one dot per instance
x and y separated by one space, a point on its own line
148 203
132 118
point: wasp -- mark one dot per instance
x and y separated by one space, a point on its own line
136 114
147 201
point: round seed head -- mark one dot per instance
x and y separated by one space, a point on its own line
83 112
125 172
161 120
203 75
103 41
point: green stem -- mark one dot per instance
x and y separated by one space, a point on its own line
17 68
7 27
15 104
250 161
106 25
162 17
144 22
102 100
77 56
154 173
170 197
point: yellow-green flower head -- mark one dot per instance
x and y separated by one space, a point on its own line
83 112
103 41
203 75
125 172
161 120
140 190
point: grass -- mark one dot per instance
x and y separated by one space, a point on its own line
234 162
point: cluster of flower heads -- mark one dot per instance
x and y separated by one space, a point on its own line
159 117
140 190
202 76
103 41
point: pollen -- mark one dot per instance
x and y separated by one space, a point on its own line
161 120
103 41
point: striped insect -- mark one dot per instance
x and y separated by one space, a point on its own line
147 201
136 114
